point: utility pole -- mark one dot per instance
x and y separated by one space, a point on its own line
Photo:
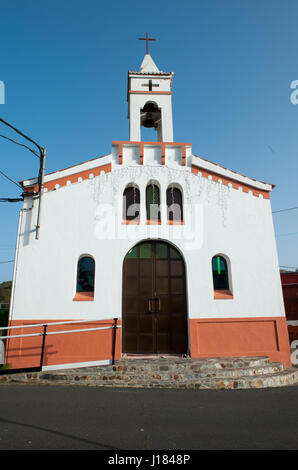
41 155
40 190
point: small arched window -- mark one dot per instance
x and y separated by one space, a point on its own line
131 204
221 277
85 278
153 203
174 205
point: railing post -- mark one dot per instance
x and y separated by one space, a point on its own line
114 340
43 345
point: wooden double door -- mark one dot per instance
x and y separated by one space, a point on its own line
154 308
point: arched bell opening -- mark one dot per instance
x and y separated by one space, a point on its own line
151 119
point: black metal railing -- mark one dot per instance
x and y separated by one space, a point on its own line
46 333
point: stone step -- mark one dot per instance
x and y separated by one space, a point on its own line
284 378
182 364
194 374
216 362
195 371
130 374
215 373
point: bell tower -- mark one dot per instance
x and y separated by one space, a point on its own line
149 99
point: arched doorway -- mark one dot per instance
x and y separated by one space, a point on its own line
154 308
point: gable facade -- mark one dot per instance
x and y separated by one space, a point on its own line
201 264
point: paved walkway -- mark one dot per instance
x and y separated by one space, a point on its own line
81 418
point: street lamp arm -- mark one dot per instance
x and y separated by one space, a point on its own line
23 135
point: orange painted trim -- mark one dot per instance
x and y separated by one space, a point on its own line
236 337
137 92
183 155
235 184
235 172
223 294
68 167
50 185
163 145
163 154
153 222
120 153
129 142
141 153
83 296
154 74
175 222
130 222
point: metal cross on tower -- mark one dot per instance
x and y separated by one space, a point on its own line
147 39
149 85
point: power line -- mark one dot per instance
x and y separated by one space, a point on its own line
12 181
4 262
21 145
23 135
10 199
284 210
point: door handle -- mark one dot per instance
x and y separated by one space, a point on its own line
156 308
150 306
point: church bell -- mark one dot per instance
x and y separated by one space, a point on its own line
150 115
149 120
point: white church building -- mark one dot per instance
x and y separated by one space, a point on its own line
180 250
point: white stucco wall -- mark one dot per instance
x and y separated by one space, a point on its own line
85 218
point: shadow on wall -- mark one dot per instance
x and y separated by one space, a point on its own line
28 231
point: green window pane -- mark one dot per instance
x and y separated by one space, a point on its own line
145 250
219 264
220 273
152 202
161 251
132 253
174 254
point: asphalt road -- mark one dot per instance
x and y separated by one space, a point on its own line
85 418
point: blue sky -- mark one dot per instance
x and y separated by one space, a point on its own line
64 64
